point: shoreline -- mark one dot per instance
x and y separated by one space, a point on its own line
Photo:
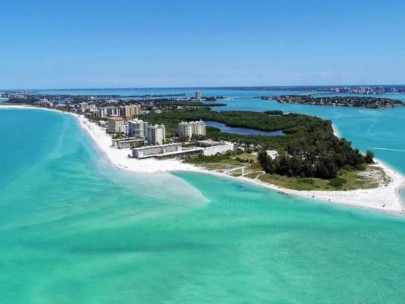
336 131
385 198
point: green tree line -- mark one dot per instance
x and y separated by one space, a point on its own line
318 154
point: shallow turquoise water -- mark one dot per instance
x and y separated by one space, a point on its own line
74 229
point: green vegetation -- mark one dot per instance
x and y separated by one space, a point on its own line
200 159
95 119
318 154
339 101
310 156
229 158
293 125
369 157
274 112
118 135
347 180
337 182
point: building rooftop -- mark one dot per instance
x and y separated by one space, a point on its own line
115 118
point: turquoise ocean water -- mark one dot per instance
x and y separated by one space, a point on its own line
74 229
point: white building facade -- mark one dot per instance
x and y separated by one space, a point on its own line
152 151
156 134
215 147
188 129
198 95
138 128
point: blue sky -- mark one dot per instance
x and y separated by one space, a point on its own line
162 43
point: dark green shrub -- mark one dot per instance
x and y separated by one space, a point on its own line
337 182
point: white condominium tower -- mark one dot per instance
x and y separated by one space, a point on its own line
188 129
138 128
156 134
110 111
198 95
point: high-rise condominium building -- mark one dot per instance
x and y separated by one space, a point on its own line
130 111
188 129
110 111
84 106
138 128
156 134
115 124
198 95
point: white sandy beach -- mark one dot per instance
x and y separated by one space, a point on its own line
385 197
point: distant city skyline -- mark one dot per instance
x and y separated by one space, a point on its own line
211 87
197 44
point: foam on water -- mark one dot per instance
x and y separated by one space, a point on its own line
385 149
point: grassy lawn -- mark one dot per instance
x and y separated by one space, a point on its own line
222 165
247 156
352 180
230 163
370 178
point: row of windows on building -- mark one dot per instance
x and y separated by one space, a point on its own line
155 134
123 111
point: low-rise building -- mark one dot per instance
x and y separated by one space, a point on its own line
152 151
214 147
130 142
165 151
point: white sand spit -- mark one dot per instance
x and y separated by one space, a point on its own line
384 198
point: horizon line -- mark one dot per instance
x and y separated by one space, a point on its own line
204 87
